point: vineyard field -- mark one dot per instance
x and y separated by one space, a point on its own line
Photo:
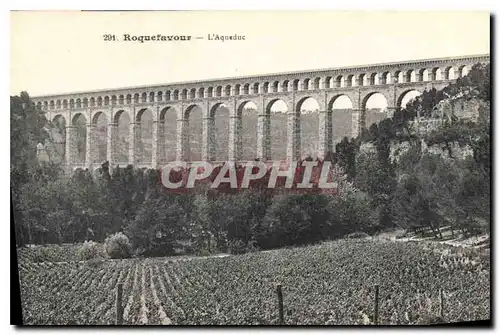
327 284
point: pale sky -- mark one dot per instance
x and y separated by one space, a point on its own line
57 52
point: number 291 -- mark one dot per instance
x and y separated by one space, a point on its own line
109 37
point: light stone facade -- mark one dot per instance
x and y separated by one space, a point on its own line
358 83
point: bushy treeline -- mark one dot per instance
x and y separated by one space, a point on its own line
419 190
157 221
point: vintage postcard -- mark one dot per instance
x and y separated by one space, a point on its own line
251 167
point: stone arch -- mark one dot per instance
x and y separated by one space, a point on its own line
159 96
144 97
99 141
151 96
275 146
218 91
339 81
362 79
295 85
247 125
435 74
255 88
398 76
407 76
97 115
374 79
58 118
210 92
306 84
463 70
168 95
122 119
128 99
71 103
369 95
246 89
65 104
144 135
227 91
52 104
189 109
136 98
423 74
218 132
339 119
167 135
201 93
58 134
237 89
447 74
335 98
119 114
401 97
79 121
317 83
85 102
307 126
275 86
140 114
106 101
45 105
113 100
284 85
76 117
192 94
192 139
58 104
328 82
383 78
175 96
373 109
265 87
350 81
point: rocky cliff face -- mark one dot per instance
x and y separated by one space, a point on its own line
457 106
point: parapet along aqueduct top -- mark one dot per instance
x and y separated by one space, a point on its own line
358 83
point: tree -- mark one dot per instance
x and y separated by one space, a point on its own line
346 152
158 227
26 131
296 219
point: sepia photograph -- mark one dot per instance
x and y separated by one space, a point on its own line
250 168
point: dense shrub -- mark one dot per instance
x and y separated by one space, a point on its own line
252 246
118 246
236 247
91 250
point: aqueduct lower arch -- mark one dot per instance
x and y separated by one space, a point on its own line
173 108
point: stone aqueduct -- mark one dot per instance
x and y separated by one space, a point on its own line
358 83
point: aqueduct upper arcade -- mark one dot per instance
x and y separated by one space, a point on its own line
171 107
